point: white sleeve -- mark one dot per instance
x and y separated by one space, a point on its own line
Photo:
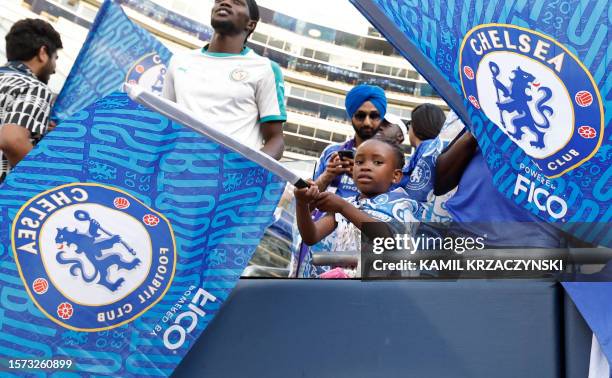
270 96
168 91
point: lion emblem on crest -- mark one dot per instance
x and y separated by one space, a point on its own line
94 247
516 99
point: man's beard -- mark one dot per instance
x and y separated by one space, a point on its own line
225 27
364 133
45 74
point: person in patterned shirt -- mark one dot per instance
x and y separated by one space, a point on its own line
25 99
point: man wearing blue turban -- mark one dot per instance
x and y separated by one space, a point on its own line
366 106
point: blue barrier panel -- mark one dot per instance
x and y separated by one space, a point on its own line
577 341
311 328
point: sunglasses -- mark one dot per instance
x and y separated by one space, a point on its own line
361 116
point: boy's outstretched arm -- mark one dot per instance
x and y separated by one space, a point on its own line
310 231
332 203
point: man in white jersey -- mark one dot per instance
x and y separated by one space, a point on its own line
231 87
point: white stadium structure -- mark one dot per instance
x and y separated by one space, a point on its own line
320 62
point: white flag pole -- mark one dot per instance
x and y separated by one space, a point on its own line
187 118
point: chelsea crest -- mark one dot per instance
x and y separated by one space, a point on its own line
93 257
536 92
149 72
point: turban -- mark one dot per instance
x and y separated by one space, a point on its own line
362 93
427 121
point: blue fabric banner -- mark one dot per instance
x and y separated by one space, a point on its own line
593 301
121 234
115 51
530 79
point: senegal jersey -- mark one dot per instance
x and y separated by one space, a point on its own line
234 93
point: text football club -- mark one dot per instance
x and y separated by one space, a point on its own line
536 91
93 257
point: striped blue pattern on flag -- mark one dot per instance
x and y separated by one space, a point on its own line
531 80
122 233
116 51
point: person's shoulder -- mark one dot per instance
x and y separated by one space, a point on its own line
189 54
259 60
399 197
18 83
275 66
18 78
428 142
399 194
183 56
249 53
431 147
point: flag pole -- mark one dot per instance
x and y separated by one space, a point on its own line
186 118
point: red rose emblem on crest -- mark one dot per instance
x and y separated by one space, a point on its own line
469 73
64 310
474 102
150 220
587 132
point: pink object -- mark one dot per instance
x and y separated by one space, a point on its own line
335 273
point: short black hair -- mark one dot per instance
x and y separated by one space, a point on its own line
27 36
253 10
253 14
427 121
397 151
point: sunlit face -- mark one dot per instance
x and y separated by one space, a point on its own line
231 17
375 168
366 120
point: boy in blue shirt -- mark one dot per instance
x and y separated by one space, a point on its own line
366 106
378 165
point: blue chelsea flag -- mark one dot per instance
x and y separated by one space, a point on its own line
122 233
115 51
531 81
